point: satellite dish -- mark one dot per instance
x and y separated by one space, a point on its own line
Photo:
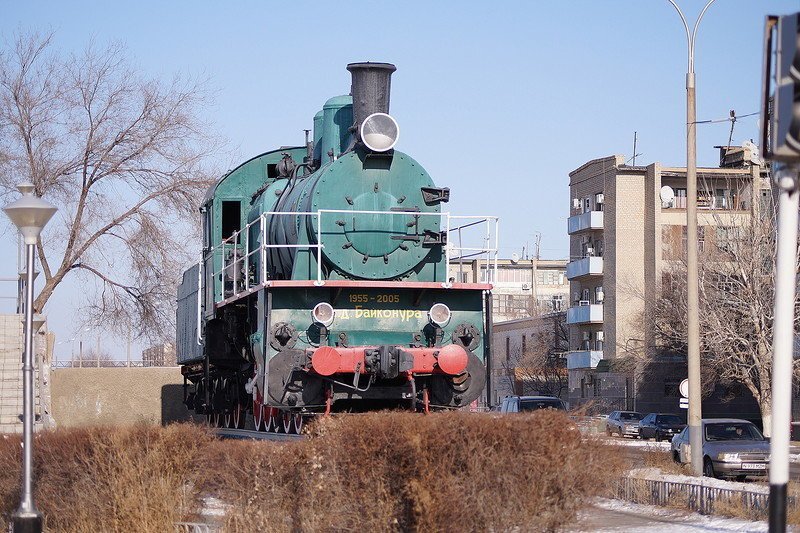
667 195
514 257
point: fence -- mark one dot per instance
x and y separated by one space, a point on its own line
700 498
102 363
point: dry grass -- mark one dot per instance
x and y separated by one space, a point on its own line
375 472
107 479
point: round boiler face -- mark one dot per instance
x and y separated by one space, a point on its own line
380 132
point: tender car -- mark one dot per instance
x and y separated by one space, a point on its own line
623 423
660 426
518 404
732 448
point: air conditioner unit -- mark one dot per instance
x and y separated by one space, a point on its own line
601 198
576 204
600 296
600 336
525 287
590 252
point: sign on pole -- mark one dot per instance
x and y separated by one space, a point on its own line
684 403
684 388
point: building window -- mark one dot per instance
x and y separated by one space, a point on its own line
508 348
701 238
680 199
599 200
558 302
598 294
596 383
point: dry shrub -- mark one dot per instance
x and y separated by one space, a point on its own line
108 479
374 472
662 459
405 472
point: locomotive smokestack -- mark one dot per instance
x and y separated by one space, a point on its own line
370 89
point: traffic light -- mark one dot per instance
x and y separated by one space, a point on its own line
783 138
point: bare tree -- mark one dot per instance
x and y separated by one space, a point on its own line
123 157
540 367
736 269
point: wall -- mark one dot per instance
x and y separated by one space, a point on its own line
117 396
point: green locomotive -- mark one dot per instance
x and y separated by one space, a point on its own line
324 281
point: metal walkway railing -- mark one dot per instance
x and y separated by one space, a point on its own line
237 254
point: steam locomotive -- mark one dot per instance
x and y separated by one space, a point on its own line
324 284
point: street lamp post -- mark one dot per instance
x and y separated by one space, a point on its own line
29 214
693 303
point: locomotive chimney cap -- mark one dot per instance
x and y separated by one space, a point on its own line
371 64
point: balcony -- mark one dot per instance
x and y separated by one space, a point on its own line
584 222
583 359
588 266
585 314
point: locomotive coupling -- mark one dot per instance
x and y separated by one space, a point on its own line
388 361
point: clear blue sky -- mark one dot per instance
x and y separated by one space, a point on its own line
498 100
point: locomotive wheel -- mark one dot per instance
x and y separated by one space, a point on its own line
275 421
298 423
258 415
237 417
287 422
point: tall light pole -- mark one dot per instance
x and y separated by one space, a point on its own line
693 302
29 214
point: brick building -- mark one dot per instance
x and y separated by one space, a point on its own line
524 288
160 355
626 223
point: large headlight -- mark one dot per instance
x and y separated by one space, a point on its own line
323 314
380 132
439 315
728 457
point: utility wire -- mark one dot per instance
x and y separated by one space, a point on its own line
726 119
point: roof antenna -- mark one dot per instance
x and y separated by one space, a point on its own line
730 137
634 150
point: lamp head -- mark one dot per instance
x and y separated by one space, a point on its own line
29 213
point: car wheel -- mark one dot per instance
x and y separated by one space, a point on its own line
608 432
708 468
741 478
658 436
676 456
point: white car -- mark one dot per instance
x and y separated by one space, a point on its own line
732 448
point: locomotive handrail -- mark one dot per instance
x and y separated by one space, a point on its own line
241 252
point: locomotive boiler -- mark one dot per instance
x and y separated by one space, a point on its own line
325 280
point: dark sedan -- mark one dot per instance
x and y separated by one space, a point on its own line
660 426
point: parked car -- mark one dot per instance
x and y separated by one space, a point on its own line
517 404
731 448
623 423
660 426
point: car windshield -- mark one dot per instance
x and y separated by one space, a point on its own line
535 405
630 416
732 431
669 419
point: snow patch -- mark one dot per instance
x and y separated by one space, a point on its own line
679 520
655 474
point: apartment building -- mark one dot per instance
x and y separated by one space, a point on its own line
160 355
625 223
524 288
